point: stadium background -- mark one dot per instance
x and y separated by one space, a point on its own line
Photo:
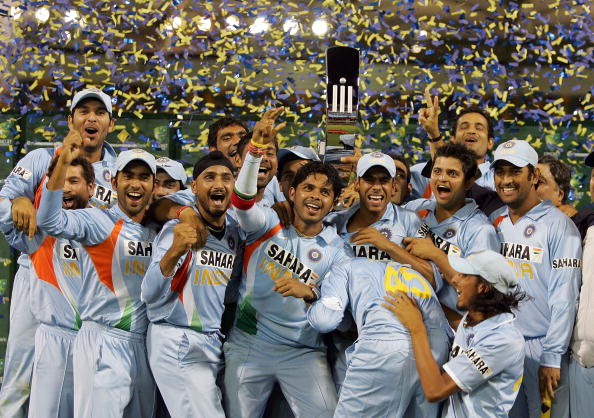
174 66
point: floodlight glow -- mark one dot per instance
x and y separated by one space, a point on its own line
320 27
15 12
260 25
204 24
232 22
176 22
42 14
291 26
71 16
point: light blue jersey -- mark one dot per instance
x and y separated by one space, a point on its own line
544 248
466 232
30 171
193 296
487 363
395 224
116 257
422 189
361 285
272 252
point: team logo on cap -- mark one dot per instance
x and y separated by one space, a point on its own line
529 230
314 255
508 144
386 232
137 151
107 175
450 233
163 160
231 242
377 154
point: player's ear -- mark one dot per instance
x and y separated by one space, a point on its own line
70 123
194 186
292 194
356 182
114 181
91 188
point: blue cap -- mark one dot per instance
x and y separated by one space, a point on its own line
126 157
490 265
305 153
376 159
173 168
519 153
91 93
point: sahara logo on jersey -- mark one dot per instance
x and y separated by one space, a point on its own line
290 261
440 242
370 252
215 259
559 263
22 172
522 252
480 364
67 252
138 248
104 195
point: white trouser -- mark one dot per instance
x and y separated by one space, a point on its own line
581 389
20 350
112 377
185 364
52 386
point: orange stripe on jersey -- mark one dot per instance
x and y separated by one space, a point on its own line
43 262
181 277
427 192
249 249
423 213
498 220
40 185
102 255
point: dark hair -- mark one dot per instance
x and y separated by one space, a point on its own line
87 169
182 186
495 302
400 157
214 128
458 151
474 109
210 159
560 172
318 167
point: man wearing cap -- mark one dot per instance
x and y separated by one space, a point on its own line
452 223
91 117
111 371
581 366
171 177
290 160
184 291
544 248
486 361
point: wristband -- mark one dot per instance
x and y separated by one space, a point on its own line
258 144
436 139
316 293
255 150
180 210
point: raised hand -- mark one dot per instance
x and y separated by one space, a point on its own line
71 146
264 130
429 116
184 237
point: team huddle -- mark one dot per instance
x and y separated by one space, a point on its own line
279 285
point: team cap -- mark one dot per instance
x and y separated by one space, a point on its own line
376 159
174 168
305 153
488 264
126 157
518 152
91 93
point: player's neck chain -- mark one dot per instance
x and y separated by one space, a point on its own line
304 235
217 231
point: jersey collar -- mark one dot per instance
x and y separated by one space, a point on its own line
535 213
492 322
466 211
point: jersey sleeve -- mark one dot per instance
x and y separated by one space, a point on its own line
565 250
326 314
27 175
480 362
156 288
183 197
88 226
15 238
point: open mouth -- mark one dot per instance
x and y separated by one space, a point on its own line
67 201
375 198
263 173
506 191
91 131
471 139
134 197
443 191
312 208
218 198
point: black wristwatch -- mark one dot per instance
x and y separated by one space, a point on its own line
436 139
